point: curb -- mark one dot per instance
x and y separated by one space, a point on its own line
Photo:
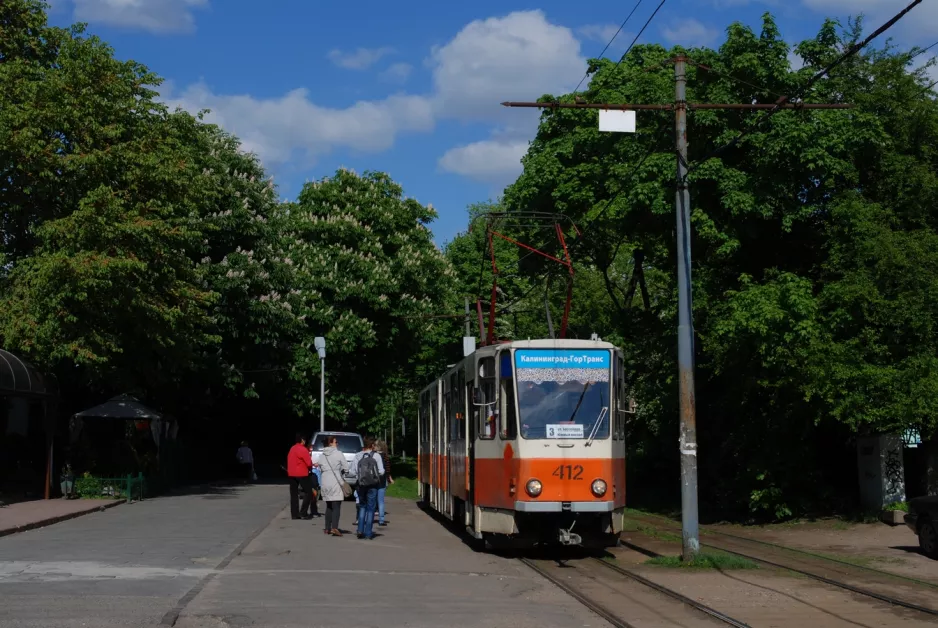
52 520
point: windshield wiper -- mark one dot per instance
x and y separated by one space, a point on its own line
579 401
599 420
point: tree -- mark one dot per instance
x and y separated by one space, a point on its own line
804 235
367 264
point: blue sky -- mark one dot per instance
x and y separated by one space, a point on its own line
312 86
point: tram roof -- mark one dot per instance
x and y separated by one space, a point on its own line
554 343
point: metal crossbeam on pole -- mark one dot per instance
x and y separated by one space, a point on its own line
685 330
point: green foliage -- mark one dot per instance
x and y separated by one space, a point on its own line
371 274
144 251
88 486
814 257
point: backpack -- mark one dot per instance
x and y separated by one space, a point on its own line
368 471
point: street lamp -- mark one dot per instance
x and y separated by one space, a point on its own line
320 343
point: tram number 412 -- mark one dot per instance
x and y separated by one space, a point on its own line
569 472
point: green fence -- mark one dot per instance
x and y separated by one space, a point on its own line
129 487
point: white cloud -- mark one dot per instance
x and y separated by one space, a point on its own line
156 16
360 59
795 62
919 22
689 32
398 73
520 56
604 33
497 162
280 129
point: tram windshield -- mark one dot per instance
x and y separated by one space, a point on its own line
563 393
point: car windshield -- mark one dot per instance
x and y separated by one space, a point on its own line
563 393
347 444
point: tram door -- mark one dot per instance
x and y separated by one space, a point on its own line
434 449
445 448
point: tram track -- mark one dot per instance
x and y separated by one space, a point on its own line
830 571
641 599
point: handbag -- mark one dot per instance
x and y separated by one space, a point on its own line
346 487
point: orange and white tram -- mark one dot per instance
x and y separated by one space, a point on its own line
523 442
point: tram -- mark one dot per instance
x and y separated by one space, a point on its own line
523 443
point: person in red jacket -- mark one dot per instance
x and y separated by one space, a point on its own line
298 465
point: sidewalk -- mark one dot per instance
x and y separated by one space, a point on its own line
38 513
416 574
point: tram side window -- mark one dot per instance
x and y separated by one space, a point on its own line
622 401
488 410
459 399
422 416
509 422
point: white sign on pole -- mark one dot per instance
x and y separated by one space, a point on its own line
616 121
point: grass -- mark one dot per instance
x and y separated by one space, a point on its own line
403 488
405 479
719 561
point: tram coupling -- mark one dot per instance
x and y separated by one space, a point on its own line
568 537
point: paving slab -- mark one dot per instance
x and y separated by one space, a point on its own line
127 566
417 573
38 513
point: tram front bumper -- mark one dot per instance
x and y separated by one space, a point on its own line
606 506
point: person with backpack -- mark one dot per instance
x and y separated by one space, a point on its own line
370 469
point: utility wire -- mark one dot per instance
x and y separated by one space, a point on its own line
642 161
814 79
629 49
621 26
923 51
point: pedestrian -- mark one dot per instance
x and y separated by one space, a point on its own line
369 469
246 460
298 465
382 448
315 477
334 488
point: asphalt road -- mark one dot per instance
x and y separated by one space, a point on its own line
233 557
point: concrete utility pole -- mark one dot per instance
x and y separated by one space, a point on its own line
685 329
685 322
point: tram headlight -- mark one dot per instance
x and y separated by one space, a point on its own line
598 488
534 487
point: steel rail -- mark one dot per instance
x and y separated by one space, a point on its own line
795 550
597 608
836 583
674 594
611 617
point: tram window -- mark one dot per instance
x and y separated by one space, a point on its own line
488 410
509 422
459 400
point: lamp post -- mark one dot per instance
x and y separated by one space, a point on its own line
320 343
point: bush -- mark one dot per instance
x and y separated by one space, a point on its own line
88 486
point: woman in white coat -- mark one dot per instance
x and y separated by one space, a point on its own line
334 466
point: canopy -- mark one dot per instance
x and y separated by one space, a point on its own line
120 407
20 378
127 408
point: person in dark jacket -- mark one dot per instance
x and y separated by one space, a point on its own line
299 464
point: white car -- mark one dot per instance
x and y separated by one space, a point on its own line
349 443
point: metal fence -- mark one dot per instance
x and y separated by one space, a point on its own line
129 487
